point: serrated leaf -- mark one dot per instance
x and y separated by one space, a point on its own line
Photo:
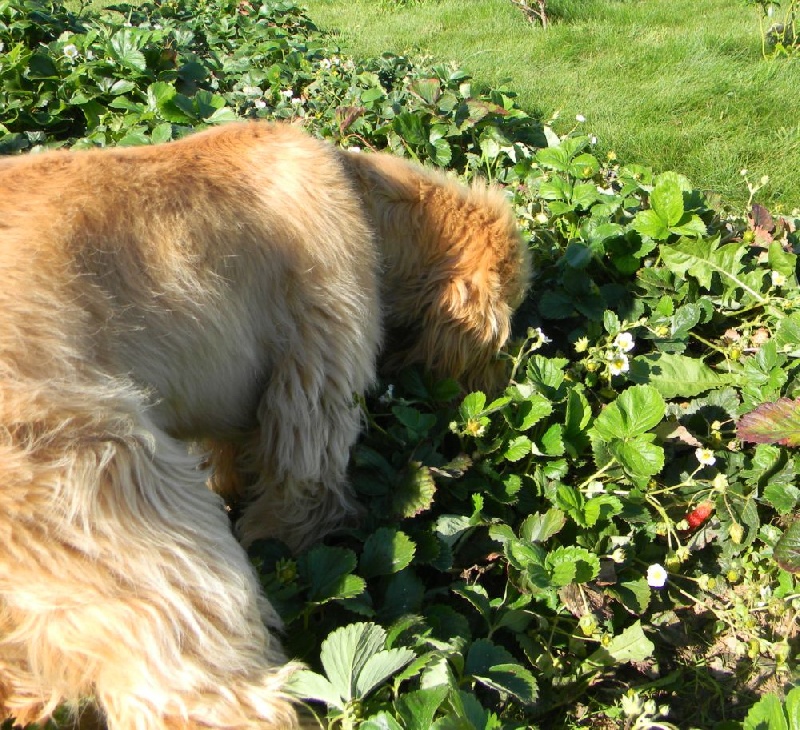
309 685
418 708
703 258
630 646
572 565
633 413
495 667
676 376
783 497
787 549
533 410
327 570
649 223
477 596
793 708
667 199
381 721
346 650
603 507
416 492
472 406
634 595
766 714
541 527
638 456
517 448
386 551
553 440
124 48
416 423
772 423
379 667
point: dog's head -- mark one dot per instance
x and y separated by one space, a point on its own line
455 268
476 274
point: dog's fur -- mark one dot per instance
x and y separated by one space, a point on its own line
228 291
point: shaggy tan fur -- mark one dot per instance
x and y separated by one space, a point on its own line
229 290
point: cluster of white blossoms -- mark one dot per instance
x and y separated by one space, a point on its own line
617 356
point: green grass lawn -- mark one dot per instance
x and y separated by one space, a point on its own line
677 85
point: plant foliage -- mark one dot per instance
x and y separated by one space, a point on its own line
588 548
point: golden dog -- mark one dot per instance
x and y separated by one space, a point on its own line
231 290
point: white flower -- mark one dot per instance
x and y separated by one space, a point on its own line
656 576
251 90
388 395
354 148
288 93
297 102
593 139
325 63
541 336
624 341
2 47
618 363
705 457
541 218
71 51
580 118
778 279
260 104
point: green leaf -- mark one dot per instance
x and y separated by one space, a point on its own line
572 565
702 259
772 423
603 507
328 571
787 549
124 48
532 410
667 199
517 449
766 714
649 223
782 496
676 376
630 646
793 708
440 152
418 708
639 457
634 412
312 686
634 595
417 424
381 721
553 440
379 667
415 494
472 406
411 128
345 652
495 667
541 527
386 551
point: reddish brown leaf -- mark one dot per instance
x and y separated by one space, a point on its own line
772 423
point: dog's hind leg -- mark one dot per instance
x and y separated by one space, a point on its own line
120 579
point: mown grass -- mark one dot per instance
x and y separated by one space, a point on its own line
676 85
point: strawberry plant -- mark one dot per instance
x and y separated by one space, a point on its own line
610 541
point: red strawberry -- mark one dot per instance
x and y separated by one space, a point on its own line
699 514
